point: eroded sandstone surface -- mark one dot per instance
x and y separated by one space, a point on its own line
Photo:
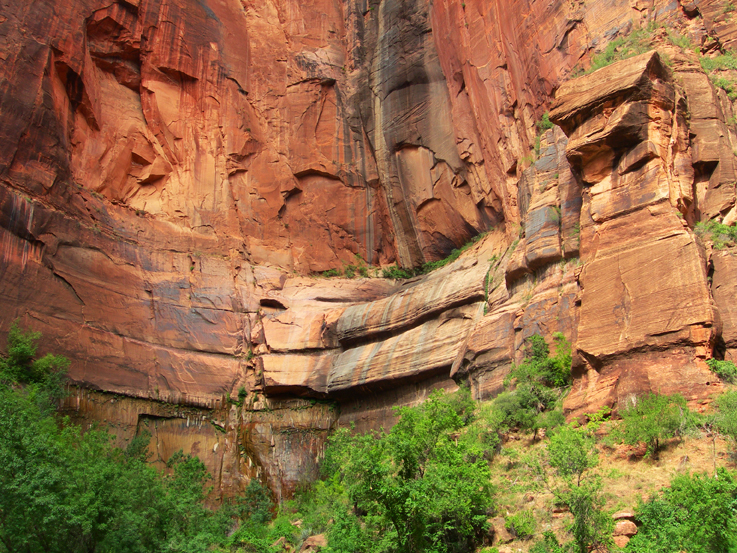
176 175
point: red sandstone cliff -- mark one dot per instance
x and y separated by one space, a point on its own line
174 173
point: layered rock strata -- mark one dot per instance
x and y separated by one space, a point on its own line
647 320
175 173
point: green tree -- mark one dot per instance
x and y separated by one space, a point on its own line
44 378
62 490
421 486
571 453
654 418
726 370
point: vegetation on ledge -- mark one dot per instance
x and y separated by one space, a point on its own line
400 273
721 235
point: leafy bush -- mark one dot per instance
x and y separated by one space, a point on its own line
722 236
534 385
545 123
572 451
591 526
400 273
726 84
722 62
522 524
455 254
726 370
418 487
256 505
654 418
396 273
43 377
697 513
62 490
681 41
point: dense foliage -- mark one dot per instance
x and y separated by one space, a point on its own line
423 486
697 513
721 235
535 386
420 487
726 370
64 491
725 418
622 48
571 454
654 418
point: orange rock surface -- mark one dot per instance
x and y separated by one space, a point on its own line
175 174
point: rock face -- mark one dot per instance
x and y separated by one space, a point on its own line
175 174
643 284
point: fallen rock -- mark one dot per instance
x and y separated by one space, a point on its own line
625 528
314 543
498 531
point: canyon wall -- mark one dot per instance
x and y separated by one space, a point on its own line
178 174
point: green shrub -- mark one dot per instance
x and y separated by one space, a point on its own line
256 506
455 254
44 378
697 513
534 387
726 370
681 41
330 273
418 487
722 236
396 273
62 490
565 471
726 84
572 451
522 524
65 491
539 367
591 526
399 273
621 48
654 418
347 535
244 540
544 124
723 62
